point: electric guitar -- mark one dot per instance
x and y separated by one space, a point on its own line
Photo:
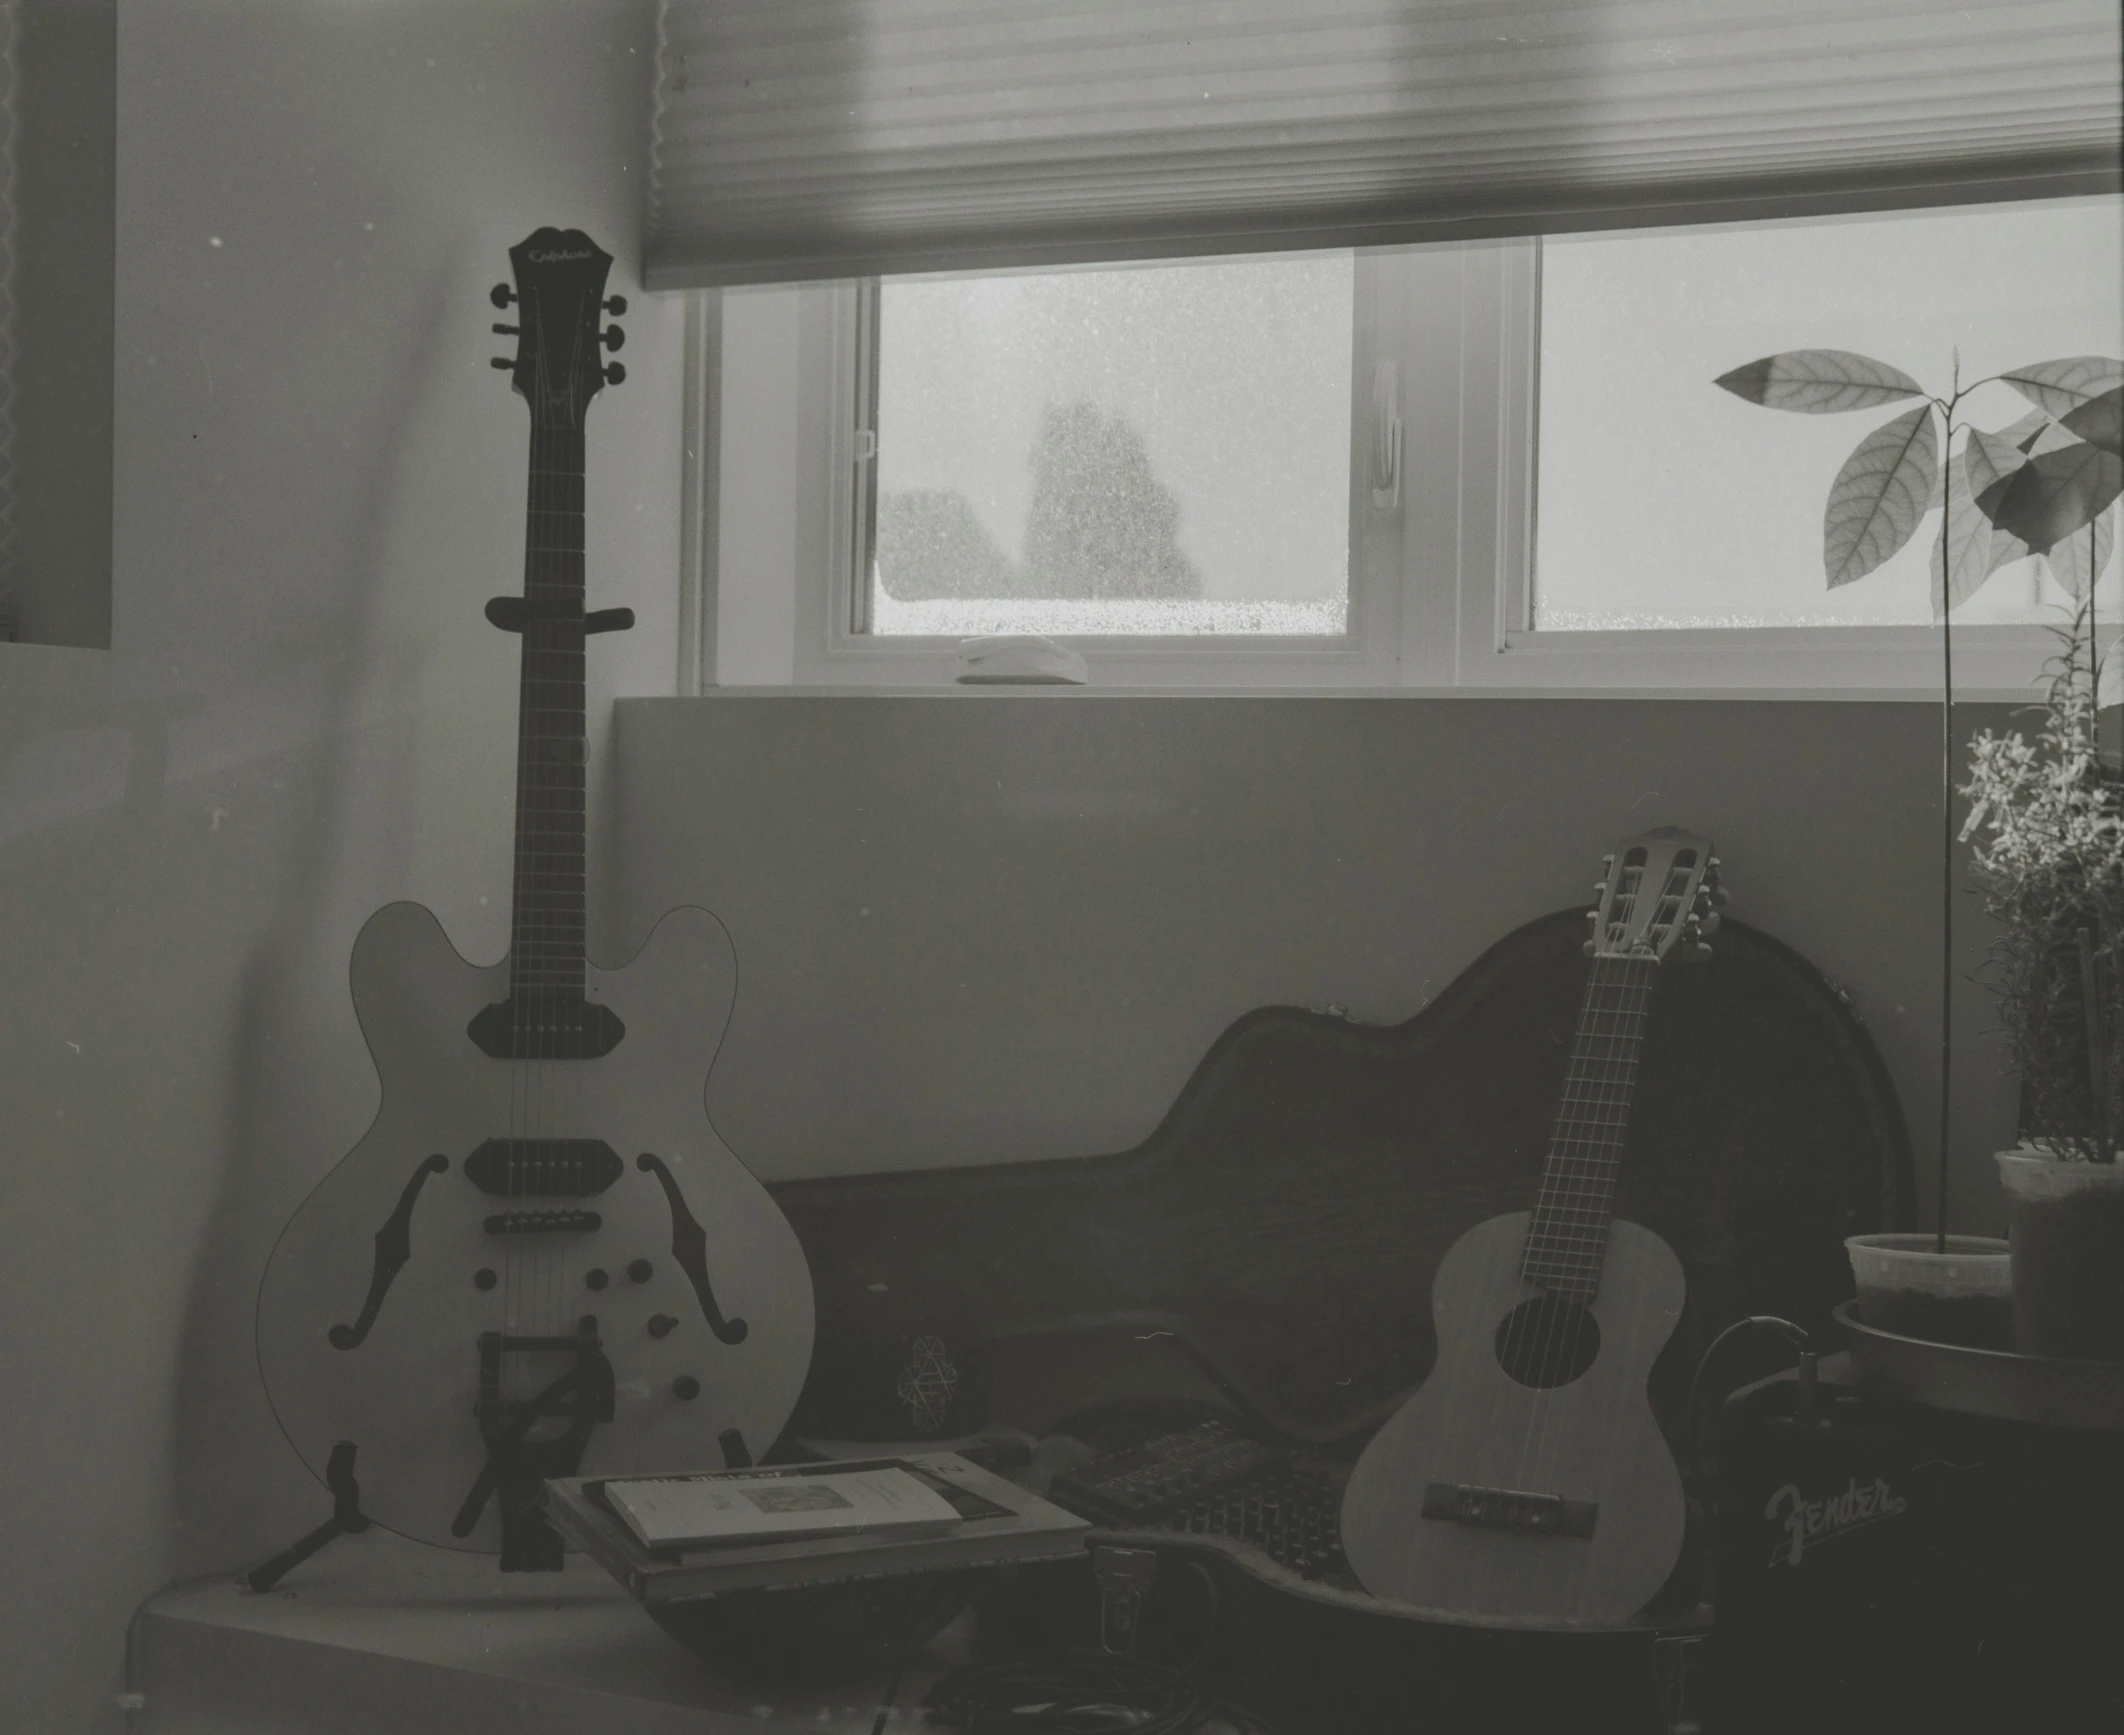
1526 1481
540 1260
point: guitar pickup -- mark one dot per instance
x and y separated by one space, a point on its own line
1509 1509
544 1168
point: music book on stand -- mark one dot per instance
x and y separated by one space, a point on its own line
806 1524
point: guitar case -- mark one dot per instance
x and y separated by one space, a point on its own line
1286 1217
1283 1224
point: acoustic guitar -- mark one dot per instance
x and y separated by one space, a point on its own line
1527 1479
540 1260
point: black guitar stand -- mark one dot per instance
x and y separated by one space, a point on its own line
347 1519
517 1465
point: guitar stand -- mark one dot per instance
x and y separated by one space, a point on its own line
347 1519
517 1465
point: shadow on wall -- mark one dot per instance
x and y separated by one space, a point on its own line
219 1393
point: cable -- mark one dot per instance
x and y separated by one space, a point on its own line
1792 1334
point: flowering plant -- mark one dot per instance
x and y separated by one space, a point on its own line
2047 817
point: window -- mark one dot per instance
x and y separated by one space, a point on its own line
1152 452
1668 504
1321 470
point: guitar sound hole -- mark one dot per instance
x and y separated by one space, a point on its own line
1546 1342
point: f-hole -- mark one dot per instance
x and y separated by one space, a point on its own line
1547 1342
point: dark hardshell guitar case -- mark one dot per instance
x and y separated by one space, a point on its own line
1284 1220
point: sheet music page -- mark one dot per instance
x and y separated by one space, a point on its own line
711 1510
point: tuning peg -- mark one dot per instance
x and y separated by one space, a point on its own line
508 330
1707 923
1720 897
1589 948
502 362
615 304
614 337
614 374
1696 953
501 295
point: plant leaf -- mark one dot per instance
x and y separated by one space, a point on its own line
2100 421
2054 494
1962 550
1879 496
2069 561
2024 434
2059 387
1819 382
1991 456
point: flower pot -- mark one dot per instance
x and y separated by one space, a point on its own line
1907 1286
2066 1223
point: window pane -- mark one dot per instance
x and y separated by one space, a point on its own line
1668 502
1152 450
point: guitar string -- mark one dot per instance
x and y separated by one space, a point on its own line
1555 1242
1569 1232
1518 1330
1585 1189
1578 1247
1516 1327
1613 1079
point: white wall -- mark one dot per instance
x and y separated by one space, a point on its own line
981 927
318 482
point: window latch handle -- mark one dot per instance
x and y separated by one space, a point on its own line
1386 436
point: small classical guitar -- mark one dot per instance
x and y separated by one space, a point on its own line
1526 1481
539 1261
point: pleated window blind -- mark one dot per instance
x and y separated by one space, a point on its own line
805 139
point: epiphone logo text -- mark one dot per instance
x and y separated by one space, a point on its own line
1810 1523
556 258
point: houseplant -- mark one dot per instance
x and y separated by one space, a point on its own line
2025 491
2047 816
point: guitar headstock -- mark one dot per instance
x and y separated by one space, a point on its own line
1661 891
559 297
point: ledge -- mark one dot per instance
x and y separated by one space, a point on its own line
380 1633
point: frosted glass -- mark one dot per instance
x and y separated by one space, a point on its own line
1155 450
1667 502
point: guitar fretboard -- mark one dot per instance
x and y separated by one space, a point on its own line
1567 1236
546 921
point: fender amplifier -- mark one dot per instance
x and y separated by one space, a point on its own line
1882 1565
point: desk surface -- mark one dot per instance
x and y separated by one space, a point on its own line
380 1634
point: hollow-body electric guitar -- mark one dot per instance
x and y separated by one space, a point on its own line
540 1260
1526 1481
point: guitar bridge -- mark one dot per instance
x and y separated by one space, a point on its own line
1509 1509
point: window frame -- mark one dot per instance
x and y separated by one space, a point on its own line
832 649
1441 584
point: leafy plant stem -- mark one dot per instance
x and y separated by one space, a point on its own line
1947 826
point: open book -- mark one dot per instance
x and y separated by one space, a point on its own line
717 1511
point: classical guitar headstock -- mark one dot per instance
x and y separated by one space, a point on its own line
1661 891
559 297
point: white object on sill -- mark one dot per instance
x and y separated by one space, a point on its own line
1020 659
